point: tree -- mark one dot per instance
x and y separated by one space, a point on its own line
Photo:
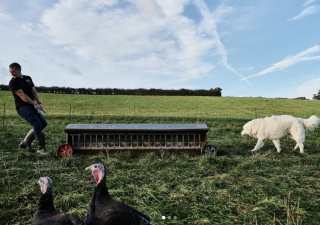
317 96
115 91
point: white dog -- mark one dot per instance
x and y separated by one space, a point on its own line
275 127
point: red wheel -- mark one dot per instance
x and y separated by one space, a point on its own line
65 150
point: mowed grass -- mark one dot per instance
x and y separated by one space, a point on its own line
234 187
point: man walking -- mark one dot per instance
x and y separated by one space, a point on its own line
27 105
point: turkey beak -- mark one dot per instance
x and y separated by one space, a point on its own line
39 181
88 168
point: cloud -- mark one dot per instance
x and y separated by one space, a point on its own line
290 61
3 15
129 39
309 88
64 65
148 39
149 7
71 68
310 9
27 27
308 2
4 73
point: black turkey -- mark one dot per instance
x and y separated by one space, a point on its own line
103 210
45 213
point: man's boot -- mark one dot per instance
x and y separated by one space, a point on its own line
26 143
41 142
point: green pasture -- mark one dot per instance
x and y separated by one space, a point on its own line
167 106
235 187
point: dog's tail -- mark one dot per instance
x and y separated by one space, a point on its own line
311 123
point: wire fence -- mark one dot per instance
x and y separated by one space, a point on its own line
71 112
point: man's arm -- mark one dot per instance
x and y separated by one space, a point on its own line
26 98
36 96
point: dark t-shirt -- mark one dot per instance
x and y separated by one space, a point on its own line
25 83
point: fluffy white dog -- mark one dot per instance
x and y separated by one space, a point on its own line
275 127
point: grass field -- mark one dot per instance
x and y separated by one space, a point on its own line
234 187
172 106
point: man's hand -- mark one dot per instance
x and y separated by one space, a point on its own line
40 105
37 106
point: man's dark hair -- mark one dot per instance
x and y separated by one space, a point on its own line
15 65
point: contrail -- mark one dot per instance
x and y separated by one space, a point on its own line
210 26
290 61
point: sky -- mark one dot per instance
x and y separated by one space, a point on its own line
248 48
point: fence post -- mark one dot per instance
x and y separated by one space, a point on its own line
313 112
134 111
255 111
4 113
69 113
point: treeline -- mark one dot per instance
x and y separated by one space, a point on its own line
316 96
116 91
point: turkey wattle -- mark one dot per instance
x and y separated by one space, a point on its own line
103 210
46 214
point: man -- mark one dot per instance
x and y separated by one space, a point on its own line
27 105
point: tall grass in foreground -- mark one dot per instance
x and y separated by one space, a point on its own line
234 187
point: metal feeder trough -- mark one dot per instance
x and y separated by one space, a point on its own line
137 138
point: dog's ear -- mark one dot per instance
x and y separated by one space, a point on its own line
251 128
254 127
244 130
